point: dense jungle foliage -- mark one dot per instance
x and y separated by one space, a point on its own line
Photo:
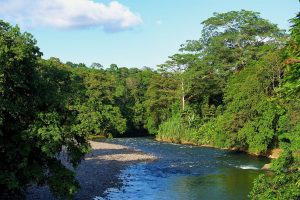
237 86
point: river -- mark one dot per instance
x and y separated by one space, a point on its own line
186 172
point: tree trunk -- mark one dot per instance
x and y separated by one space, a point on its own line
182 95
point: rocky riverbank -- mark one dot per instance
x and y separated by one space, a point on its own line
99 170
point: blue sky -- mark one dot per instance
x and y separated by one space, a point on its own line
129 33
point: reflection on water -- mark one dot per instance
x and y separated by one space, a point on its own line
187 172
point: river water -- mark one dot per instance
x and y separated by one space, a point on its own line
186 172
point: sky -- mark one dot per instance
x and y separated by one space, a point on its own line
129 33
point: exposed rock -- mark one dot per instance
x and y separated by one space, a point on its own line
266 166
275 153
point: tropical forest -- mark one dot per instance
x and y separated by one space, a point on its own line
199 125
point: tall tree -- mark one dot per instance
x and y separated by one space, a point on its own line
231 39
176 68
33 129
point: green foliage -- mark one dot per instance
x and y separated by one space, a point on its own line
63 189
35 117
176 130
134 84
96 118
231 39
48 107
291 85
229 88
289 126
161 96
18 58
284 162
230 74
216 132
46 130
233 80
282 186
97 111
283 183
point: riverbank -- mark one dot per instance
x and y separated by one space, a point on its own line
99 170
272 154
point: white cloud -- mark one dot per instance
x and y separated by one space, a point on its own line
69 14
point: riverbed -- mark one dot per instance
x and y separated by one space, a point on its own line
185 172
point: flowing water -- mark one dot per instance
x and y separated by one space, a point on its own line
186 172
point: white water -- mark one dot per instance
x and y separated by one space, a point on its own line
248 167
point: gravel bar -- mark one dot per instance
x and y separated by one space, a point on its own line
99 170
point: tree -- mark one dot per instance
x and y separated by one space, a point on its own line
203 72
97 66
284 183
19 57
97 110
33 128
113 68
231 39
160 101
176 67
134 83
